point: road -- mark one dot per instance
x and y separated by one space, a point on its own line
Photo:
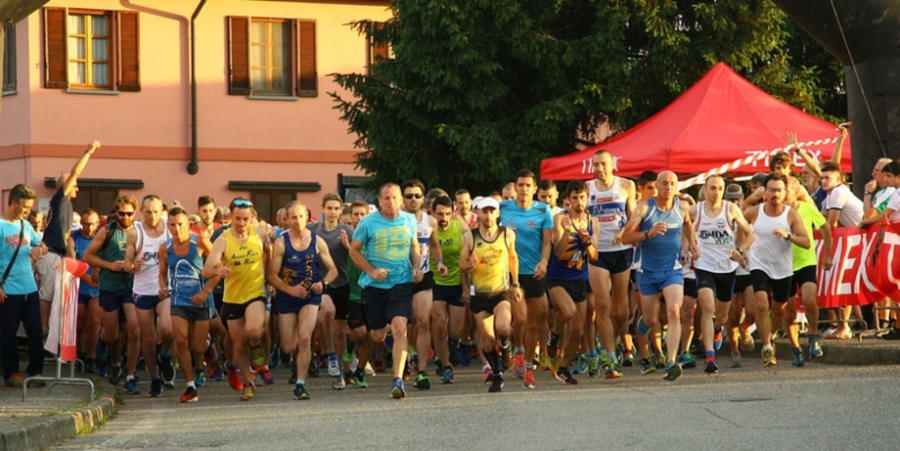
816 407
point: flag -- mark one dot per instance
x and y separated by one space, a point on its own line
64 311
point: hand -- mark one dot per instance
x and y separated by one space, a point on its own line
163 293
37 252
417 276
791 139
781 233
540 270
584 235
118 265
345 240
617 239
871 186
442 269
658 229
176 203
93 145
298 291
224 272
566 222
3 296
695 250
517 295
379 274
138 264
317 287
199 299
473 261
465 295
736 256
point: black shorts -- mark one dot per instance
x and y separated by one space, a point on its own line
487 303
232 312
191 313
575 288
382 305
218 300
110 301
532 287
340 297
356 316
427 283
781 288
615 262
690 288
451 295
741 282
806 274
722 285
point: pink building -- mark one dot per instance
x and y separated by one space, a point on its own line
119 71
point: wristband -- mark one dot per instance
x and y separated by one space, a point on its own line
869 193
647 234
439 261
788 238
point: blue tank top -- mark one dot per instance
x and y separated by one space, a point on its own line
572 264
663 252
299 267
185 279
81 245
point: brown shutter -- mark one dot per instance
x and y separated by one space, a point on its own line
379 50
129 52
239 56
9 59
55 54
307 79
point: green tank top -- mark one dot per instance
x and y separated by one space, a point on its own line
115 250
451 246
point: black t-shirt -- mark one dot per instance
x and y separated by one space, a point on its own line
60 222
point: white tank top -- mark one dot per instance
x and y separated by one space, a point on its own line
610 208
771 253
146 281
715 239
424 235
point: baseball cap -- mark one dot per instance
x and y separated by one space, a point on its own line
488 202
476 201
734 191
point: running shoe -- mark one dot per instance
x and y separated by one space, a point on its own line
528 380
717 339
313 368
36 383
647 367
628 360
711 366
348 353
462 355
673 371
545 363
248 392
686 360
348 377
167 369
659 360
257 356
300 392
234 377
563 375
815 349
614 371
131 387
736 360
581 364
593 365
115 374
486 374
266 375
604 358
448 375
519 366
333 368
337 382
91 366
747 343
359 378
199 377
211 355
553 345
768 357
380 367
190 395
102 368
438 366
14 381
422 381
156 387
496 384
641 327
398 389
797 357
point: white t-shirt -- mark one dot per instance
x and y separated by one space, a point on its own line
881 196
842 199
894 206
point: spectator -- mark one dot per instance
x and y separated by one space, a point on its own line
841 207
878 192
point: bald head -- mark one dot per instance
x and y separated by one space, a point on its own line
666 185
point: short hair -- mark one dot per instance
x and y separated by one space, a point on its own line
332 196
576 186
234 202
205 200
546 185
151 197
176 210
460 192
524 174
391 185
601 152
359 204
759 178
830 166
646 178
412 183
297 203
779 159
21 192
126 200
776 177
706 182
88 212
893 167
442 200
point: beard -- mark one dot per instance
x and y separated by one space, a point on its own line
443 224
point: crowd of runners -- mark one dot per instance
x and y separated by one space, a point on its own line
608 273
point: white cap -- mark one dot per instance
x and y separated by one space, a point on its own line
488 202
476 200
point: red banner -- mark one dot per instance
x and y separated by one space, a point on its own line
865 270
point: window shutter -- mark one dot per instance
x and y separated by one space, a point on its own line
307 79
239 56
9 61
129 52
55 54
377 50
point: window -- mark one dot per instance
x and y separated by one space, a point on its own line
9 59
91 50
272 57
101 199
376 51
267 203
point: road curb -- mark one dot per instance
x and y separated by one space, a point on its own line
50 431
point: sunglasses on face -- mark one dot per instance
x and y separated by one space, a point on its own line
413 196
243 203
125 214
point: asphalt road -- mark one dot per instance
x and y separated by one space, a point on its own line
819 407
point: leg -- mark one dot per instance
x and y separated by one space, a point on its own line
674 295
619 303
576 333
537 314
148 337
133 338
400 349
600 286
305 323
439 314
181 328
422 302
706 299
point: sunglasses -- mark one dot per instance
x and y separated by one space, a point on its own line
243 203
413 196
125 213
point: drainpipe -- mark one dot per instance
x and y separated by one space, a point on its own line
193 167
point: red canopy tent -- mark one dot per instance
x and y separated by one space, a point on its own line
722 118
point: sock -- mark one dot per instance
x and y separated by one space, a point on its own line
711 354
129 377
717 329
504 343
301 381
191 385
767 347
520 350
612 356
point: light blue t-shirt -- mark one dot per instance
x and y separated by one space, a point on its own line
529 226
662 252
20 280
386 245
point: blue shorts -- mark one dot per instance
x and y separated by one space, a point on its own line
284 304
382 305
452 295
111 301
145 302
84 298
653 282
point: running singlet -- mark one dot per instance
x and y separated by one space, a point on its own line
812 219
423 233
81 245
451 246
299 267
339 254
529 226
662 252
387 245
490 273
715 239
610 208
146 281
114 251
247 281
572 264
771 253
185 279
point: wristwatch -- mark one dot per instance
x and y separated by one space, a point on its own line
514 285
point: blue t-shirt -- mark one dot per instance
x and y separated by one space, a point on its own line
386 244
529 226
20 280
81 245
663 252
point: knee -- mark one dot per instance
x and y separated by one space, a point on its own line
504 329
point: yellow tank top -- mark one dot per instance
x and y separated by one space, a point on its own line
492 271
247 280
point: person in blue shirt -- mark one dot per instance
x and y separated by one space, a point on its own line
386 249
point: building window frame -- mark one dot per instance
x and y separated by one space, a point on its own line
8 78
301 76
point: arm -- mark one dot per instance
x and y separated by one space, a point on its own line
811 163
266 248
688 235
561 223
833 217
839 146
163 272
827 260
213 266
328 262
745 236
415 257
798 234
754 198
594 241
70 247
69 186
630 233
275 261
467 260
91 258
518 295
540 270
132 265
435 246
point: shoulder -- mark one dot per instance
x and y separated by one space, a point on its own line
625 183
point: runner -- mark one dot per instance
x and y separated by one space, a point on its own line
356 320
88 308
463 204
188 295
205 228
294 272
386 249
240 255
142 245
659 226
489 254
548 194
